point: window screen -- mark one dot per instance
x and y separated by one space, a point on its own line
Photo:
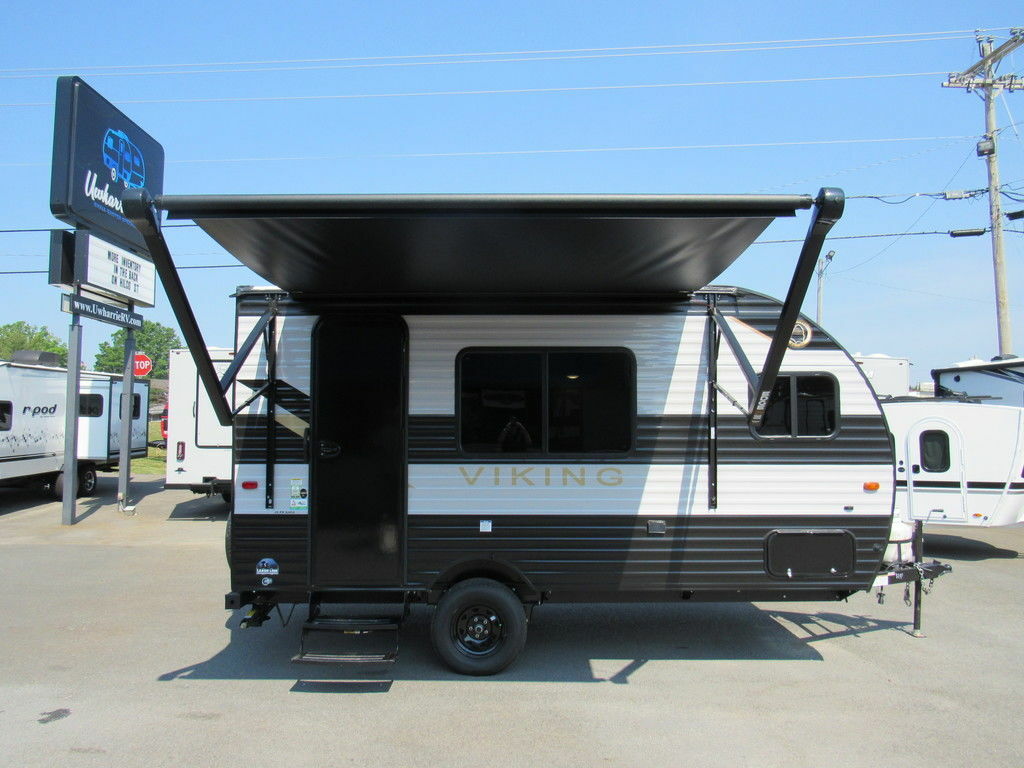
934 451
572 401
801 406
6 416
90 405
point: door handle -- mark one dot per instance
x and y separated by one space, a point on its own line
329 449
916 468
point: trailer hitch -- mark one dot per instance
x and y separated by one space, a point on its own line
256 616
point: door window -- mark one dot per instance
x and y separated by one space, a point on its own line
90 405
934 450
6 416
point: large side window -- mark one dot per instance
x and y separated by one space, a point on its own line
934 450
546 401
802 405
90 405
6 416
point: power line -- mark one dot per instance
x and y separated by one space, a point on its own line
494 91
732 44
914 290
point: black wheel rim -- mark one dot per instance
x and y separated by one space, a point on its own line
88 482
478 631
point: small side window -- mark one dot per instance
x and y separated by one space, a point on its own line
90 406
934 451
802 406
136 405
6 416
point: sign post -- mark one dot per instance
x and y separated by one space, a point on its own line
98 156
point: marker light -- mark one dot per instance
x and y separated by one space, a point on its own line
871 485
250 485
180 452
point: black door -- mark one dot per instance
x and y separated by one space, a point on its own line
358 455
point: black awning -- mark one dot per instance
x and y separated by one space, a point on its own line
479 245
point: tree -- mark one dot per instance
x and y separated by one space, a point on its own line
154 339
21 335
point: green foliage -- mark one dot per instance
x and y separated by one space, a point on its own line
154 339
21 335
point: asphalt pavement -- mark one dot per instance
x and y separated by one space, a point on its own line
115 650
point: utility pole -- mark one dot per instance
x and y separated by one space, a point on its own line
822 266
981 78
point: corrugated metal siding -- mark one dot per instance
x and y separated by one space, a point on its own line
285 538
573 553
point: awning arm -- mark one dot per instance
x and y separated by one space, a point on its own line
139 208
737 350
828 208
244 350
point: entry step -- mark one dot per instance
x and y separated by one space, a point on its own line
349 640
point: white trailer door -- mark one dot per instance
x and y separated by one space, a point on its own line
936 477
210 433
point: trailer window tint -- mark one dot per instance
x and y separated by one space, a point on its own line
6 416
934 451
90 405
801 406
589 402
500 401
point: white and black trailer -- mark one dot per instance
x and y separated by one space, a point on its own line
489 403
198 445
999 380
32 403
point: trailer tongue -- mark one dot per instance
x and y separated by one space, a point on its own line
489 403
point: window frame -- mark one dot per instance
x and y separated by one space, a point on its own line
545 453
793 414
948 450
82 396
9 405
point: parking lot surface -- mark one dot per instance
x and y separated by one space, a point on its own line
115 650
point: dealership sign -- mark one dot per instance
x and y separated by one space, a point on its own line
98 154
99 267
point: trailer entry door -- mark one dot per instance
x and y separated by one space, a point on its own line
936 482
358 455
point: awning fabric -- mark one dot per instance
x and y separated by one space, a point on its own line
483 245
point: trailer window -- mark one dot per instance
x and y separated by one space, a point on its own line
501 402
136 405
557 401
934 450
6 416
90 405
801 406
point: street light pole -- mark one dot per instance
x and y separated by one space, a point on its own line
822 266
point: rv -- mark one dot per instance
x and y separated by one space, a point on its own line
494 403
1000 380
32 403
198 446
958 461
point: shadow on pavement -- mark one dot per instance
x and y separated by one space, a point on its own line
565 643
961 548
202 508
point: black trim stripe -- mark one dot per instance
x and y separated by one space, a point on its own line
976 485
682 440
615 553
27 457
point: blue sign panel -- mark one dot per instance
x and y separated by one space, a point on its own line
98 153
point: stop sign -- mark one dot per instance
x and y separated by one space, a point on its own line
143 365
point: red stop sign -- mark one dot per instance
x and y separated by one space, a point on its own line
143 365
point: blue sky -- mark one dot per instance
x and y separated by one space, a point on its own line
384 97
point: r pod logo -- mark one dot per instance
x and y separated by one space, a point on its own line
39 410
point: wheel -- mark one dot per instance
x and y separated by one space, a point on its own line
479 627
226 495
57 486
113 174
227 541
87 481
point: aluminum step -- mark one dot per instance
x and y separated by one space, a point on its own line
358 631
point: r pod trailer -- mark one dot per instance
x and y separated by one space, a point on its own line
32 402
492 403
198 445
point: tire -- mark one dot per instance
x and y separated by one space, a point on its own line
87 481
226 495
227 541
57 486
479 627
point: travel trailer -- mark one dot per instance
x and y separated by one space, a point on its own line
32 403
958 461
493 403
198 446
1001 380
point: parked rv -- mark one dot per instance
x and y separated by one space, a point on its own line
32 403
198 446
493 403
1000 380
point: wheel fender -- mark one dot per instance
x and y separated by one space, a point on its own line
493 568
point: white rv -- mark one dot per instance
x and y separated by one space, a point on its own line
1000 380
32 402
198 446
489 403
958 462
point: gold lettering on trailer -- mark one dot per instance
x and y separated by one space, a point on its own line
471 480
609 476
521 475
581 478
